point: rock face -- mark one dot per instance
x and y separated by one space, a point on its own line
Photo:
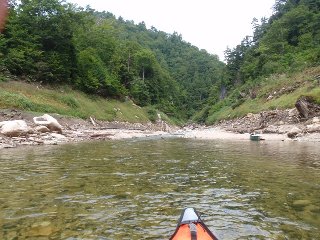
50 122
14 128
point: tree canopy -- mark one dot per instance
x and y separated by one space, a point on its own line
288 41
55 42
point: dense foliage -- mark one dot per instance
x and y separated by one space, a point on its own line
286 43
54 42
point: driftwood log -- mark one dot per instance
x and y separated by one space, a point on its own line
307 108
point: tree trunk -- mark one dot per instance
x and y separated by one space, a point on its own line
143 74
129 61
307 108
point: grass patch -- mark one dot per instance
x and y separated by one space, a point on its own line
66 101
285 101
223 113
315 95
19 101
70 101
300 84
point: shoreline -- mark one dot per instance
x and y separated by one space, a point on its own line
79 130
217 133
202 133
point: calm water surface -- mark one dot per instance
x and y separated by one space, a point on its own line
136 189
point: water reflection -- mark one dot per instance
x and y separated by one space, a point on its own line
136 189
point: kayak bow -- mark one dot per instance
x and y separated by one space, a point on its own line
191 227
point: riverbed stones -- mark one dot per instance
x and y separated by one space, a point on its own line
42 129
316 120
294 132
286 129
41 229
312 208
293 112
4 145
58 137
313 127
271 129
301 203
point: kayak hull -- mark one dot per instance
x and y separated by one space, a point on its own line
190 226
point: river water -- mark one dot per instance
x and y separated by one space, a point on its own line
136 189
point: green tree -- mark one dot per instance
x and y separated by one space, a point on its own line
94 77
39 42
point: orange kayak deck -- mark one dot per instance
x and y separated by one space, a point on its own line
184 233
191 227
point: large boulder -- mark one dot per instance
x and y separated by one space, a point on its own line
14 128
50 122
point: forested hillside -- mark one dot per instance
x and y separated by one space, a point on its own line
57 43
288 41
282 58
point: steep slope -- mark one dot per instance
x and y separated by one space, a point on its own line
272 69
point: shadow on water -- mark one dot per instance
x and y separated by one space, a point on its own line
135 189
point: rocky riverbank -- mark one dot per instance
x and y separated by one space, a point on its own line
72 130
283 125
277 125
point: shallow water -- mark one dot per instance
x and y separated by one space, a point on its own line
136 189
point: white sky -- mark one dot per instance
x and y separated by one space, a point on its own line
212 25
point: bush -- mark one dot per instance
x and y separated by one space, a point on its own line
152 114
